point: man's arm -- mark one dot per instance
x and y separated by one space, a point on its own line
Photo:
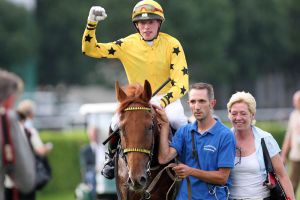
218 177
24 170
166 153
286 146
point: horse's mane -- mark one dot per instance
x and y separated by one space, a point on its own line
133 92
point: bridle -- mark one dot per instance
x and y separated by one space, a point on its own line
149 152
123 151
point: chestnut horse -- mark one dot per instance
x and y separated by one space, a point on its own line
138 173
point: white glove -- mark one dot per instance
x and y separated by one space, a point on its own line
97 13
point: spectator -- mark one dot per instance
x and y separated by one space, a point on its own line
249 173
17 160
206 148
88 160
146 55
291 142
26 110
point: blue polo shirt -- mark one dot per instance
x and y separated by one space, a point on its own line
215 148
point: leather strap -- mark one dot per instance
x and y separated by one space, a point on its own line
7 145
8 153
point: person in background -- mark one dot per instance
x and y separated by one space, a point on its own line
291 142
88 160
206 148
249 174
26 110
17 160
146 55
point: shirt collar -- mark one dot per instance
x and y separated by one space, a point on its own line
213 130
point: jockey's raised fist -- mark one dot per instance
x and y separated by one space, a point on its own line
97 13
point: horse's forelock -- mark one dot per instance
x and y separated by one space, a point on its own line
133 92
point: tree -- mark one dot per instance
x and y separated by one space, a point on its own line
260 41
18 36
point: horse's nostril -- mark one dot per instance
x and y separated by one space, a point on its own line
143 180
129 181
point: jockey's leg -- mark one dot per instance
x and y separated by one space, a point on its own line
109 165
175 114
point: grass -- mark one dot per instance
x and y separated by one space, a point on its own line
62 195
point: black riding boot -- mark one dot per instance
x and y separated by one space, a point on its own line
108 170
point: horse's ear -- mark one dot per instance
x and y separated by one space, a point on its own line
120 94
147 94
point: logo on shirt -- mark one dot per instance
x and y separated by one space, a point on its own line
209 148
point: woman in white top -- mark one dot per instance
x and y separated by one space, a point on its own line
249 172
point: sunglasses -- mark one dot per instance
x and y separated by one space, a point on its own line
239 155
146 8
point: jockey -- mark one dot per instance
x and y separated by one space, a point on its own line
146 55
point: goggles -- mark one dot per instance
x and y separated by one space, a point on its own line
146 8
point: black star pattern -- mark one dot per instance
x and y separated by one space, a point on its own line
111 51
119 42
171 66
182 90
88 38
173 82
176 50
170 95
185 71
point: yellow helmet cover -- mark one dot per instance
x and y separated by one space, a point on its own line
147 9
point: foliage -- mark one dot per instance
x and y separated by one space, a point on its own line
277 129
260 40
240 39
64 159
18 35
205 29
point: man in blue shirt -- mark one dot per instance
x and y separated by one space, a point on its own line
206 148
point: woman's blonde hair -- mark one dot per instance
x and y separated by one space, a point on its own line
242 97
26 107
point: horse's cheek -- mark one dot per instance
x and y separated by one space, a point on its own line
123 171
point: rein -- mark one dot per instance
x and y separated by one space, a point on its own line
174 178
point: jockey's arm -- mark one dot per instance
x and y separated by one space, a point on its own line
166 153
178 75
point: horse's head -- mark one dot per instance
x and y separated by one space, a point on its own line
137 131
